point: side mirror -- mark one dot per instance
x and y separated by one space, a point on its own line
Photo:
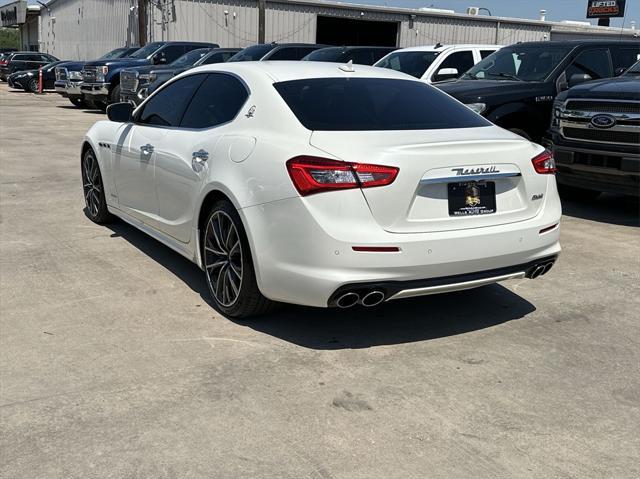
578 78
446 74
159 59
619 71
120 112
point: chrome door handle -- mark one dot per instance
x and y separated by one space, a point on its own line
146 149
200 155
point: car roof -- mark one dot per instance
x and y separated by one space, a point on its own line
439 47
576 43
277 71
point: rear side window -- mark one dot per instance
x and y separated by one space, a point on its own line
20 57
594 63
368 104
624 57
217 101
166 107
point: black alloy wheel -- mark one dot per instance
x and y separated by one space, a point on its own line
93 189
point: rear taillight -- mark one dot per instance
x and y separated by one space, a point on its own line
311 174
544 163
3 62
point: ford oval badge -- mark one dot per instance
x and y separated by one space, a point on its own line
603 121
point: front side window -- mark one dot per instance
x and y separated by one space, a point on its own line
171 53
634 70
411 63
461 61
520 63
217 101
374 104
594 63
166 107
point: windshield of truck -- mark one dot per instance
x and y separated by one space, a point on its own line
519 63
147 50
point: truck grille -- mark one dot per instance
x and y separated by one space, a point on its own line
606 136
128 81
61 73
89 74
603 106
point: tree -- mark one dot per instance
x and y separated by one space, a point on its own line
9 38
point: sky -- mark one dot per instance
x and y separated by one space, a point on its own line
557 10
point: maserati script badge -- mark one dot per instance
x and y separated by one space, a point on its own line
472 196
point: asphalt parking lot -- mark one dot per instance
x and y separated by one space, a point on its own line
112 364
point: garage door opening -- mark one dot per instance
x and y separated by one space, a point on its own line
345 31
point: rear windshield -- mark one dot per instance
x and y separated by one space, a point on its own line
330 54
365 104
412 63
253 53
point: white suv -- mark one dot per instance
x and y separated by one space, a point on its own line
438 62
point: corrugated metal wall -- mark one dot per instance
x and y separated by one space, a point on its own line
86 29
230 24
567 35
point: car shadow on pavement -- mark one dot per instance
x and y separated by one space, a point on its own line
395 322
612 209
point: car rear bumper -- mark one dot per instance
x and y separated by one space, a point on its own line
299 261
597 167
68 88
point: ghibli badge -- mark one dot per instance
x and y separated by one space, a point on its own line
603 121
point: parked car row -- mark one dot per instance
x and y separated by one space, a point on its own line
514 87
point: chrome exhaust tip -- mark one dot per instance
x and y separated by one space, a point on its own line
547 268
347 300
372 299
537 271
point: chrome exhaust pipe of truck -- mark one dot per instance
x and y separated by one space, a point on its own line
373 298
347 300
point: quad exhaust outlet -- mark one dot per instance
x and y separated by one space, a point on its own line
366 298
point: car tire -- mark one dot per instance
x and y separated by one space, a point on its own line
228 265
100 105
93 189
114 96
78 102
576 193
521 133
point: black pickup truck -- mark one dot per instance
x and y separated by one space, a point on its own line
515 86
595 137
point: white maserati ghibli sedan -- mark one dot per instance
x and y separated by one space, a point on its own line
323 185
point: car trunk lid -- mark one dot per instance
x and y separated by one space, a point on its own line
436 164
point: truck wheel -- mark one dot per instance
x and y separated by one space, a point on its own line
78 102
114 96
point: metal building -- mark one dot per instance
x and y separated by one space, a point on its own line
83 29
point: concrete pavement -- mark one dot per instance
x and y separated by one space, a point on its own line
112 364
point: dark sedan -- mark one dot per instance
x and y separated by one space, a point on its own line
27 80
19 61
